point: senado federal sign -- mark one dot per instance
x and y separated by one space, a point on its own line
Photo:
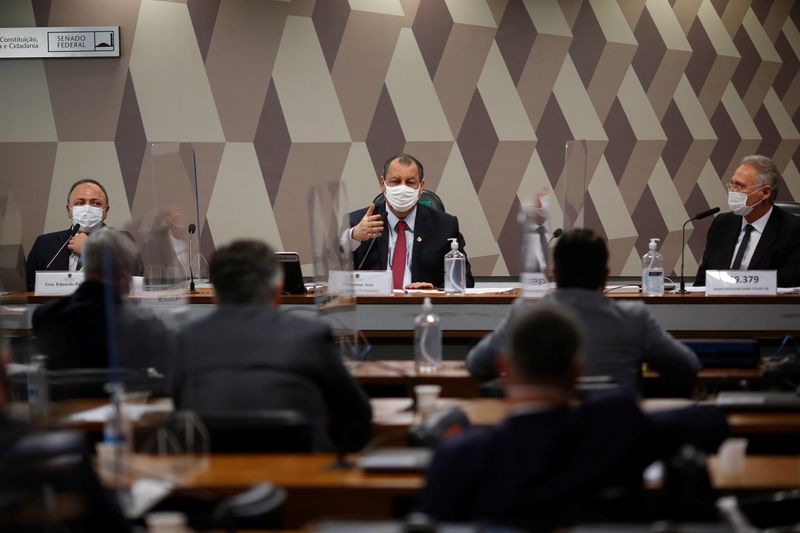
90 41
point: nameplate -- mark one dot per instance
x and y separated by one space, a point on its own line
741 282
56 282
361 282
534 284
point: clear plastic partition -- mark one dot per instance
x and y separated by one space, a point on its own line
169 221
574 184
12 257
333 268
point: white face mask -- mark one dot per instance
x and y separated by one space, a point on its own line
401 197
737 203
88 217
543 211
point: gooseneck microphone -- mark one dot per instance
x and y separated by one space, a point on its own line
72 231
699 216
192 228
556 234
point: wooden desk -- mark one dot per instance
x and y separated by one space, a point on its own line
468 318
315 491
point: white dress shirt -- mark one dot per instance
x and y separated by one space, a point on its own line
755 236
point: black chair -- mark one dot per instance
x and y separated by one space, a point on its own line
88 382
261 507
790 207
265 431
428 198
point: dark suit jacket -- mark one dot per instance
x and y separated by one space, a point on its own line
72 332
433 227
778 248
43 250
539 467
254 357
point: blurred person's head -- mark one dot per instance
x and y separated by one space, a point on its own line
110 256
580 260
546 348
246 272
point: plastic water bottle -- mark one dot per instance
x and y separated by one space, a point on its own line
38 397
455 270
117 432
427 340
653 271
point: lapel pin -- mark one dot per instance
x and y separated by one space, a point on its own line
419 239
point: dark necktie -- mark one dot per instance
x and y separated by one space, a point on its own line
399 255
737 262
543 243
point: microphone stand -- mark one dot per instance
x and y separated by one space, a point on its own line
192 290
682 290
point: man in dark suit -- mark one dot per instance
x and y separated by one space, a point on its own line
249 355
756 234
423 242
87 207
74 332
549 458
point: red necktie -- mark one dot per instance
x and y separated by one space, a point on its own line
399 255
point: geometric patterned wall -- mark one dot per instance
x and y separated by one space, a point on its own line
666 96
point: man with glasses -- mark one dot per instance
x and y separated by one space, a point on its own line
756 234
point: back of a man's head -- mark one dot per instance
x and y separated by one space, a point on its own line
546 344
580 260
105 248
244 272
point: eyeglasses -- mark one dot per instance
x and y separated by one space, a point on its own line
737 187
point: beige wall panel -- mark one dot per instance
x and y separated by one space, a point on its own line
713 188
308 165
787 131
693 162
759 85
17 13
632 11
576 105
25 102
240 191
669 203
716 31
612 22
692 112
667 78
455 183
361 65
174 95
500 268
670 248
548 17
610 206
541 70
668 25
475 13
500 185
240 60
633 265
502 101
435 157
685 12
778 13
618 252
643 158
305 89
79 160
611 69
383 7
791 176
717 81
643 121
734 14
760 39
791 99
459 70
358 176
413 95
739 114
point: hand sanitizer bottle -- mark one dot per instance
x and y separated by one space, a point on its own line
455 270
653 271
38 397
427 340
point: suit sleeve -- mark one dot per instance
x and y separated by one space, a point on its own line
482 359
671 358
789 272
32 264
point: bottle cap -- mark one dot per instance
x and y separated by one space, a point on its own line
427 305
654 243
453 243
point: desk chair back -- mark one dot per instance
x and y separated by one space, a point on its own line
264 431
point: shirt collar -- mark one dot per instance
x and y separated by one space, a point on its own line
410 218
759 224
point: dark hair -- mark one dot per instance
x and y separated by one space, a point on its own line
580 259
406 160
244 272
93 182
545 341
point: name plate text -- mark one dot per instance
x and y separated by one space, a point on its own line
56 282
361 282
741 282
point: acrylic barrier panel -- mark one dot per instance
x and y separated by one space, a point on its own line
332 262
12 256
168 218
574 184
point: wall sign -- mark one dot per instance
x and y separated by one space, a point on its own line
89 41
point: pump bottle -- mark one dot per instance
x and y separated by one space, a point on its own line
455 270
653 271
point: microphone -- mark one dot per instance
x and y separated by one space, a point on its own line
192 228
556 234
72 231
699 216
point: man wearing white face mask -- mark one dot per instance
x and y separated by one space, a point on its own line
756 234
416 237
87 208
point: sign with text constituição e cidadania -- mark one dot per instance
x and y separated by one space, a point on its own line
88 41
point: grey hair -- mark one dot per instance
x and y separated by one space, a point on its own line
768 173
245 272
108 241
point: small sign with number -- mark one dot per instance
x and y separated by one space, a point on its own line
741 282
534 284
